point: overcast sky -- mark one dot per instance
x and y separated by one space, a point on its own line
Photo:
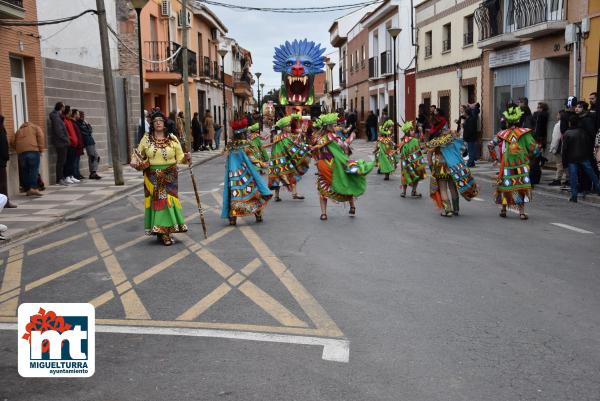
261 32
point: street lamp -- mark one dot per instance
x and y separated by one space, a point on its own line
262 91
394 32
223 52
330 65
138 5
258 74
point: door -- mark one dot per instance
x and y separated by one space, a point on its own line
19 95
502 97
201 104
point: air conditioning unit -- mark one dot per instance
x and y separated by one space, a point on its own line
165 8
185 18
570 34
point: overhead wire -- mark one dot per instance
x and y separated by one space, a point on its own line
292 10
45 22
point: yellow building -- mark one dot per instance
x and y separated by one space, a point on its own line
591 47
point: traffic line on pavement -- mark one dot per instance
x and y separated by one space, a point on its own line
12 281
478 199
55 244
60 273
335 350
127 220
572 228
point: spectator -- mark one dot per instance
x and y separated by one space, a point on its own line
80 145
90 146
180 124
438 123
527 118
209 130
423 120
60 140
69 169
371 124
594 109
384 116
351 121
575 154
3 228
523 102
29 143
171 125
4 157
198 141
540 118
555 151
586 120
218 131
145 128
470 134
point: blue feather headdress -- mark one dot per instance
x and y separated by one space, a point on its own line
310 54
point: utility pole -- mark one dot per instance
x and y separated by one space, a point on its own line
185 76
109 89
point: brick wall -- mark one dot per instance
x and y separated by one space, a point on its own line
82 88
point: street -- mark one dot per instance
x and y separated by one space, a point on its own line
396 303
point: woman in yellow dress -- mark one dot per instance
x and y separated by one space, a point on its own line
163 214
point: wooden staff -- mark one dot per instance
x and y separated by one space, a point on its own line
198 203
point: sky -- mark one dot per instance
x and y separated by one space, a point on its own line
261 32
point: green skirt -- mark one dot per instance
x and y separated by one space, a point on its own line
162 210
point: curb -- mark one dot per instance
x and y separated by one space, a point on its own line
80 211
541 188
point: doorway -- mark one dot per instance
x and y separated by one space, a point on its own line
18 91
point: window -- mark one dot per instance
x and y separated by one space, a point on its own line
428 44
446 38
445 105
18 91
356 60
468 30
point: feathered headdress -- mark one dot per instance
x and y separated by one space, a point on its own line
311 52
513 114
329 119
254 127
284 122
406 127
317 123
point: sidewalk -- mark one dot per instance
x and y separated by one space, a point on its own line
59 202
486 170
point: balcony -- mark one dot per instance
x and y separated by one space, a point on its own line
12 9
535 18
206 67
467 39
242 84
373 67
386 65
490 21
165 67
342 77
216 71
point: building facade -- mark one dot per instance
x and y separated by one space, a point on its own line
21 79
525 54
449 63
358 75
390 14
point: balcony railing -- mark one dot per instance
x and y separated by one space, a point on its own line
164 50
373 67
467 38
206 67
242 77
386 65
342 81
446 45
12 9
525 13
489 19
216 71
16 3
427 51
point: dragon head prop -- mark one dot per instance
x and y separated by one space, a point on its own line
298 62
513 114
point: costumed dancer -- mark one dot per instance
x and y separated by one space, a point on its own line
339 178
517 147
159 152
412 164
261 156
385 150
245 192
449 173
289 161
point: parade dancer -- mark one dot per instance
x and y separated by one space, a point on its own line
289 161
449 173
245 192
157 155
261 156
411 160
517 147
385 150
339 178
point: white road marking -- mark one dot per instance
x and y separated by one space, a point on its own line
478 199
576 229
333 349
222 184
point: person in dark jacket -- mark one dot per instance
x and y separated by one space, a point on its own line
90 145
60 140
470 134
540 118
197 132
527 118
171 125
371 124
4 158
576 155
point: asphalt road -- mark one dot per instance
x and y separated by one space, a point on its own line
426 308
